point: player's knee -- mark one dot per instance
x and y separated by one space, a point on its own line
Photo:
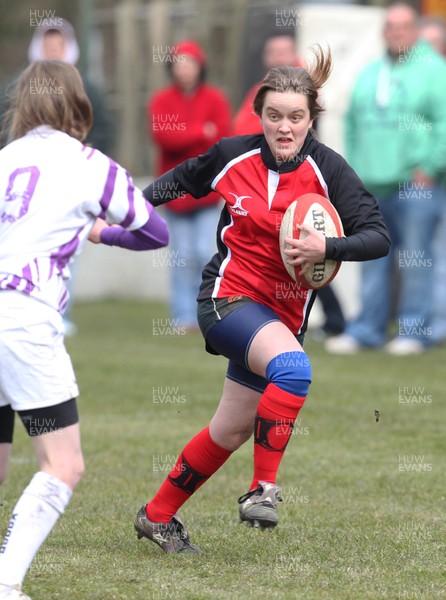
233 439
76 472
69 469
290 371
243 436
233 442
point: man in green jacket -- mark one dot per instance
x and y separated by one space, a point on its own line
433 30
396 142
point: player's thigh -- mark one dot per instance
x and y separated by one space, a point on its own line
250 334
236 411
271 340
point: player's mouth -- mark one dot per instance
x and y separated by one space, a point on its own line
284 141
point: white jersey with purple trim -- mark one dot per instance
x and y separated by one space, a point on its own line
52 188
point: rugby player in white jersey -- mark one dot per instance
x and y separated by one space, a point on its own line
54 193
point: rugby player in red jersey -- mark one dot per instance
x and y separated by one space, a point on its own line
241 313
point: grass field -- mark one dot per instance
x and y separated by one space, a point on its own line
363 515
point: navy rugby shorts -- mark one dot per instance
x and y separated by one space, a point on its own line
228 326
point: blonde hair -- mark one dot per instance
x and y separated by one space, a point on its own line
49 92
306 81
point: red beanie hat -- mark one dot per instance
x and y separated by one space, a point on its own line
192 49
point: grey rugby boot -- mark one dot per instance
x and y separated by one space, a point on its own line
258 508
171 536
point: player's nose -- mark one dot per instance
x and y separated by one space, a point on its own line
284 127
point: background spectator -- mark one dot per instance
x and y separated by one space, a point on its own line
59 42
185 119
396 141
433 30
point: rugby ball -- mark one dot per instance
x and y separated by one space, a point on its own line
318 212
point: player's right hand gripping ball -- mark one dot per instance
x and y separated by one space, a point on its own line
318 212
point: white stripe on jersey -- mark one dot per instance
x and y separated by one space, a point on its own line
231 163
34 271
224 262
52 188
319 175
5 281
273 183
305 309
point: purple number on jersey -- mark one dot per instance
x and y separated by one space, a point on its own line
21 187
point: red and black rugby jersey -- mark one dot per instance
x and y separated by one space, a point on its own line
257 192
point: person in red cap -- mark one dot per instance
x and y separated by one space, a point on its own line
185 119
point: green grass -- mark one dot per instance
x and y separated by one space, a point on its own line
354 523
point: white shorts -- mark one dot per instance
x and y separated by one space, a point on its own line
35 369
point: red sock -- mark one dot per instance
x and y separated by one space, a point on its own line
200 458
275 417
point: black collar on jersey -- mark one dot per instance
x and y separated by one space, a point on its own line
270 161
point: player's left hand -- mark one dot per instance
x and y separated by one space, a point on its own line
95 234
306 251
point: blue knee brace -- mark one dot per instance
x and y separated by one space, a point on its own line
290 371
